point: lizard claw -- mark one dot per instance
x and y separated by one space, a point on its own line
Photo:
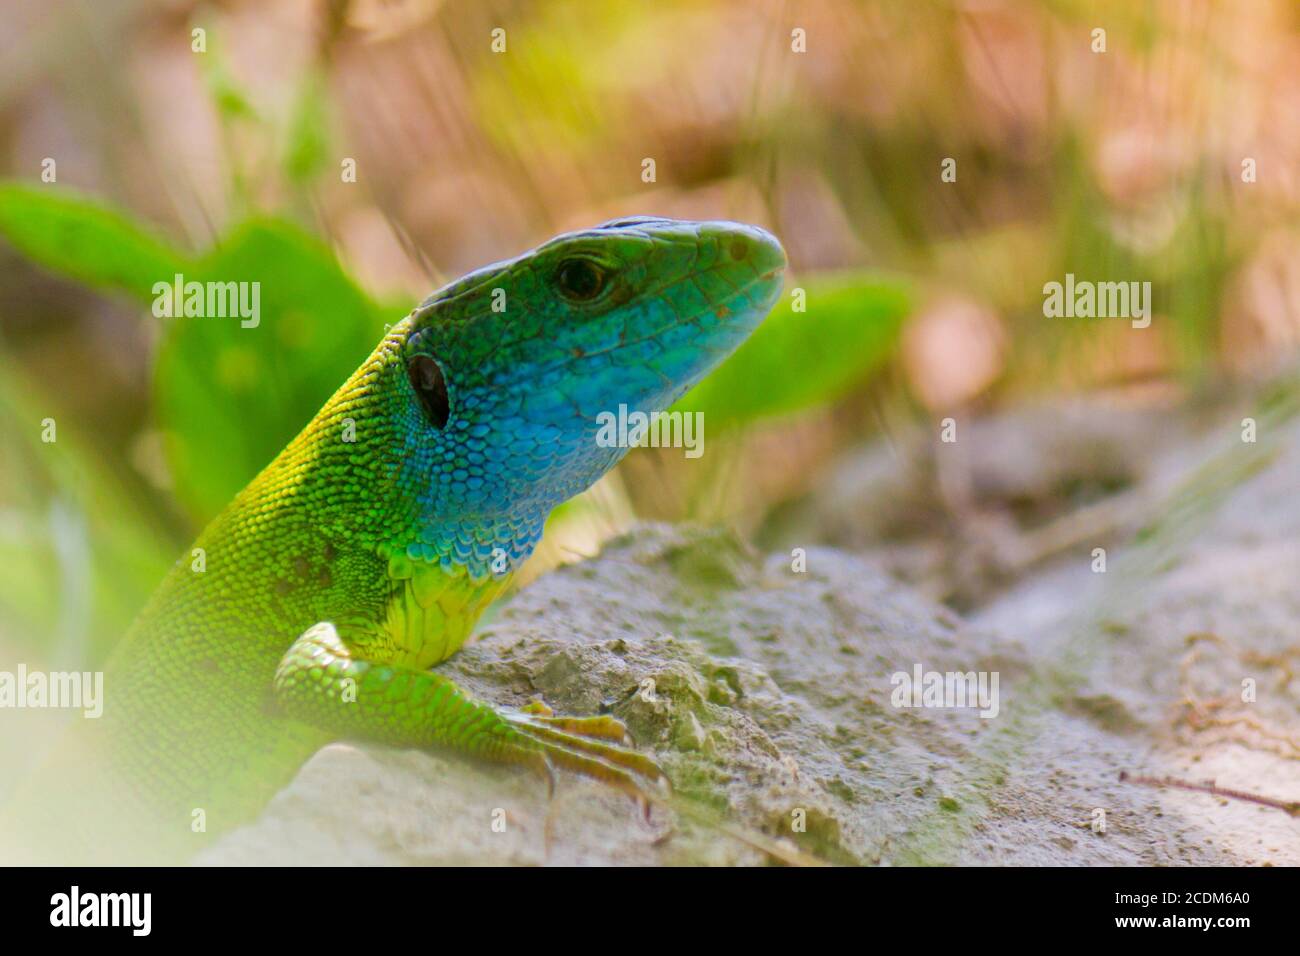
600 727
537 706
592 746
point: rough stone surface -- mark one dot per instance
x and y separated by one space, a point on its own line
769 701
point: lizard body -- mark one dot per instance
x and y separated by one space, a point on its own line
348 568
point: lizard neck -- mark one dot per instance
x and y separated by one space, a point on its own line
447 577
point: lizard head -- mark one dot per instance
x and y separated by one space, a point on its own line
509 370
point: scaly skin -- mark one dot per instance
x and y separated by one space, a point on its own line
364 554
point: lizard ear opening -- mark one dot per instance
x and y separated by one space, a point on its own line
431 388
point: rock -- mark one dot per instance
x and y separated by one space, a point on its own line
768 696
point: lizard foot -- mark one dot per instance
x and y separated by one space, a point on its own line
592 747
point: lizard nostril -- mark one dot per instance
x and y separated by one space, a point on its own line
739 249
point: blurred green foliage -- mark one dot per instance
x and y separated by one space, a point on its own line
464 152
79 239
80 552
227 397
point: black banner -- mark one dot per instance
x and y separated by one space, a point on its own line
941 907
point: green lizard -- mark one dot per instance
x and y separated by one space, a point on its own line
348 568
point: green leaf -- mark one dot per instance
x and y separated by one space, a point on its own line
231 397
79 238
801 360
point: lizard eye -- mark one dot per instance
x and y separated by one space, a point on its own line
431 388
580 280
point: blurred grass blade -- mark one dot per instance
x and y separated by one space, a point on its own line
307 151
72 536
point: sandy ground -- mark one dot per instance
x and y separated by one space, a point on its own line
765 692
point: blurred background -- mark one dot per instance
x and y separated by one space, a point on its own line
128 155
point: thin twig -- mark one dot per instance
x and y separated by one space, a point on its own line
1291 807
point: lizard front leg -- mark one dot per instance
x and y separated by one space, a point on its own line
324 681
